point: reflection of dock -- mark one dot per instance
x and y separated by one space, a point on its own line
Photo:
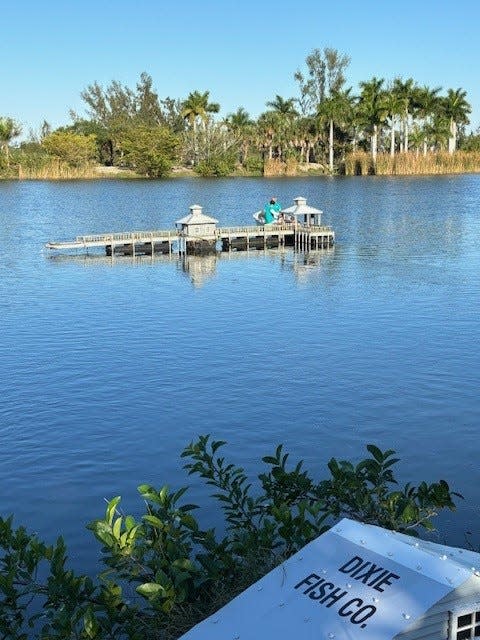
198 233
200 268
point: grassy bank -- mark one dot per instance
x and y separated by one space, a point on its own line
409 164
356 164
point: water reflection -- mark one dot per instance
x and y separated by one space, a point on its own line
203 267
199 268
308 264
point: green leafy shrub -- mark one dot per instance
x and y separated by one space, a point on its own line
73 148
219 166
150 151
164 573
254 165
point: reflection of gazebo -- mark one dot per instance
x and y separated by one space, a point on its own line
303 213
199 268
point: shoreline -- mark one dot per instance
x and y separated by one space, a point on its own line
354 165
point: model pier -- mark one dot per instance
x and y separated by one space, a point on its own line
198 233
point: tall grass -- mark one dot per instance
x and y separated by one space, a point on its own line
405 164
56 170
275 167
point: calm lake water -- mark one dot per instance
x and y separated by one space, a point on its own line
111 367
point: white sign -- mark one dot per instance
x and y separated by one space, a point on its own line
332 588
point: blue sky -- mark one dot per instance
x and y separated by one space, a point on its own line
243 53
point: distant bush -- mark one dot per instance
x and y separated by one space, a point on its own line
149 151
219 165
471 142
254 165
72 148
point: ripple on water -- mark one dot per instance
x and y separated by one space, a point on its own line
111 368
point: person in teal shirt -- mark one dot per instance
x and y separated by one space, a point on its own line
271 210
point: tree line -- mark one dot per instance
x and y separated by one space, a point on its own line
134 128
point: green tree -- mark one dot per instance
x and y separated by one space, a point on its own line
9 130
372 110
110 110
456 109
103 138
241 126
306 134
394 106
427 103
148 110
150 151
72 148
336 109
472 141
269 127
285 107
114 109
405 90
284 113
325 75
198 108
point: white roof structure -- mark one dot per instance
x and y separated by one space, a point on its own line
355 582
301 208
196 217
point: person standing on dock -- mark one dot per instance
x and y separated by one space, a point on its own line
271 210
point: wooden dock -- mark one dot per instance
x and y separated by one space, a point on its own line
165 241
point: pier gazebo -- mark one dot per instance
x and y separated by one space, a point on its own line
303 213
197 224
197 231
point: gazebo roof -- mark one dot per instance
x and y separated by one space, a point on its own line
196 217
301 208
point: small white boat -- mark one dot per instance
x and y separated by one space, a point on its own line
300 213
259 218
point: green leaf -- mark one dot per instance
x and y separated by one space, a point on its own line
117 527
376 453
111 509
90 624
149 589
153 520
217 444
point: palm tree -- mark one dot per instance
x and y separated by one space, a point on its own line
456 109
305 135
283 106
284 112
394 106
268 130
405 90
439 130
240 124
9 129
337 108
196 107
427 103
372 110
